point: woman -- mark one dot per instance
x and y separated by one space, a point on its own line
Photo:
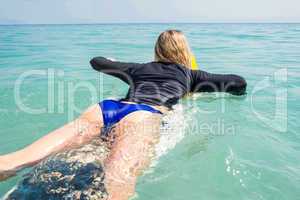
133 122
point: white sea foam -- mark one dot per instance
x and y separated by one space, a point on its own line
172 131
8 193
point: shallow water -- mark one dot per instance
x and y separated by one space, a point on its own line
226 147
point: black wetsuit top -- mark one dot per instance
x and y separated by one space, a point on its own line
163 84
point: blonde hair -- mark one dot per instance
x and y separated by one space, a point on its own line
172 46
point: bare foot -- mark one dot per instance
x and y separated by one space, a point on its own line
6 169
4 175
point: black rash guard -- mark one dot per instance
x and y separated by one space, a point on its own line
163 84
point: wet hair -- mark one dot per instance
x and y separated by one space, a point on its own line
172 46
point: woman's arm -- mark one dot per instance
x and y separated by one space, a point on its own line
121 70
207 82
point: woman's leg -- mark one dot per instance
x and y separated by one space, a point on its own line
75 133
131 153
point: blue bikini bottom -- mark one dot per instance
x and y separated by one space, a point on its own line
113 111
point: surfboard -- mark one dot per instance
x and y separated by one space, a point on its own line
74 174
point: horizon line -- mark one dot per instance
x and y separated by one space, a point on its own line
128 23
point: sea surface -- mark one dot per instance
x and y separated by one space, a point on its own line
215 146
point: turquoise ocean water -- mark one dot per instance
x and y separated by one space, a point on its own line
226 147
